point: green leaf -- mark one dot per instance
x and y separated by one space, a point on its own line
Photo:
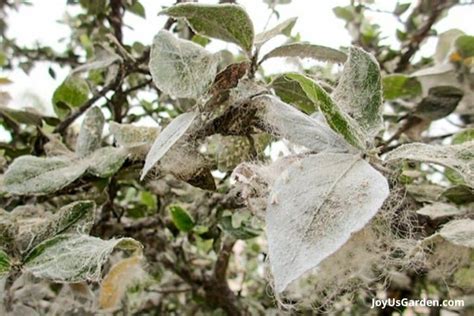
90 134
459 194
290 91
26 116
305 50
359 92
72 93
345 13
5 263
401 8
465 46
400 86
243 232
457 157
335 117
181 218
138 9
284 28
170 135
463 136
228 22
74 258
181 68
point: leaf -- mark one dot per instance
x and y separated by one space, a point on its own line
285 121
465 46
5 263
459 232
290 91
445 44
459 194
439 210
103 58
129 136
116 282
359 92
309 215
90 134
138 9
463 136
170 135
346 13
284 28
74 258
72 93
457 157
400 8
106 161
335 117
228 22
181 218
181 68
243 232
305 50
26 116
397 86
29 175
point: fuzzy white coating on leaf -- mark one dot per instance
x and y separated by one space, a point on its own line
90 134
459 232
321 201
181 68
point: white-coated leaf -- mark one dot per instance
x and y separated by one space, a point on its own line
181 68
313 209
282 28
34 175
106 161
458 157
170 135
90 134
305 50
129 136
287 122
445 44
74 258
359 91
459 232
439 210
103 58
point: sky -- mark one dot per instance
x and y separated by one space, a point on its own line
40 23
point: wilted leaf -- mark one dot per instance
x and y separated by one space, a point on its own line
439 210
228 22
72 93
459 232
284 28
181 68
170 135
287 122
74 258
5 263
335 117
309 215
457 157
400 86
90 134
359 92
34 175
181 218
305 50
129 136
115 283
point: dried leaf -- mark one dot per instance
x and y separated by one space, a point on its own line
168 137
181 68
309 215
305 50
74 258
228 22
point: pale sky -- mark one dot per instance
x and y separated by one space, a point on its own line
316 23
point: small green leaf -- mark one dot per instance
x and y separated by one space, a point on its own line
463 136
243 232
337 120
401 8
290 91
228 22
74 258
181 218
5 263
90 134
72 93
465 46
138 9
284 28
181 68
345 13
359 92
400 86
305 50
459 194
